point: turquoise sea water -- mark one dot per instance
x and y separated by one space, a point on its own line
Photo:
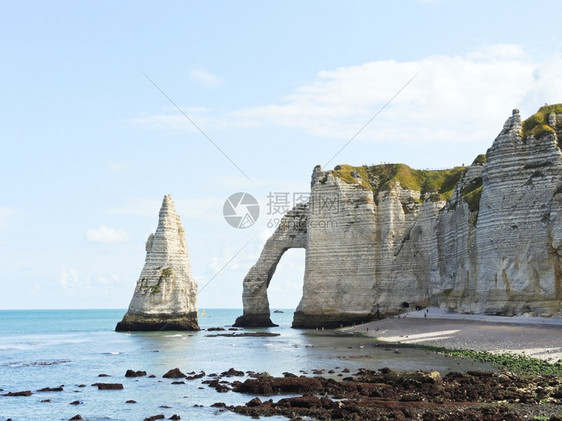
73 347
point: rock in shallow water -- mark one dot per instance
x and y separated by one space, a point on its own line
23 393
165 296
174 373
133 373
108 386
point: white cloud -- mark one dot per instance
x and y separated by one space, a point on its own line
241 256
456 98
104 234
172 119
118 166
205 208
206 78
452 99
69 278
109 280
7 215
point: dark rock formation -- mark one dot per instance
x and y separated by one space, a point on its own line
155 417
174 373
133 373
51 389
108 386
23 393
483 396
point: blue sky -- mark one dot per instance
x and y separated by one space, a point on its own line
90 146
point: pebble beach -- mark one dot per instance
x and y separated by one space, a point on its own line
535 337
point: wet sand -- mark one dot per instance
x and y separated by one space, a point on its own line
531 336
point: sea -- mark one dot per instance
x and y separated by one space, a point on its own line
72 348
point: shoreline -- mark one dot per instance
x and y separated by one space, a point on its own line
534 337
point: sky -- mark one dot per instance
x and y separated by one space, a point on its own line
107 106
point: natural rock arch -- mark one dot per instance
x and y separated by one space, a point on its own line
291 233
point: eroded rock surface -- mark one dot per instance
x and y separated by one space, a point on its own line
480 239
291 233
165 296
370 395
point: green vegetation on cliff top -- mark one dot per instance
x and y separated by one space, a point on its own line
383 177
537 124
480 159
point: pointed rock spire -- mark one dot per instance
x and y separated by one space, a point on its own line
165 297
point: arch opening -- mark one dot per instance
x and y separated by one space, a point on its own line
286 285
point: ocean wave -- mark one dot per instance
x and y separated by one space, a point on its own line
35 363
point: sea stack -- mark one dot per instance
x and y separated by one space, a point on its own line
165 297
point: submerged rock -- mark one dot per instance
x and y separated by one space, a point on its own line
51 389
108 386
23 393
165 296
155 417
133 373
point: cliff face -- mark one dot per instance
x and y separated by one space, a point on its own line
340 264
165 296
485 238
515 246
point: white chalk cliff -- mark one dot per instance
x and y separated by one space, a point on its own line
165 296
480 239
